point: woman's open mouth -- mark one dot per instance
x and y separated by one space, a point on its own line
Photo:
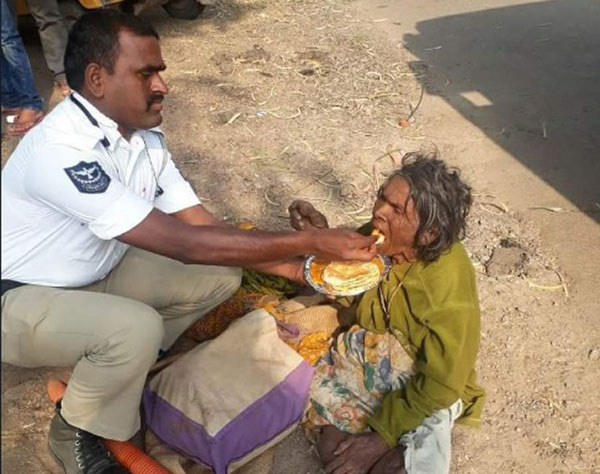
380 236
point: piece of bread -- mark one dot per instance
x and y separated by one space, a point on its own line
380 236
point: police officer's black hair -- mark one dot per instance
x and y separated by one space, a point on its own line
94 38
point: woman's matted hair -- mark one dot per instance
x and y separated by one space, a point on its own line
441 199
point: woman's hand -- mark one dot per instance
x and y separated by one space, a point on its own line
303 216
357 454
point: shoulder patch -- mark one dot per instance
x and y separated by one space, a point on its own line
88 178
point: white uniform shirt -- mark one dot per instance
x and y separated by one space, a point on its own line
65 197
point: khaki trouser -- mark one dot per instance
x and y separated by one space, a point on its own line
111 332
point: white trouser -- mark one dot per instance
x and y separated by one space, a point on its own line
428 446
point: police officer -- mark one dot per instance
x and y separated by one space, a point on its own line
97 228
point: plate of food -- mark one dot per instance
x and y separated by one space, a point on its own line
346 278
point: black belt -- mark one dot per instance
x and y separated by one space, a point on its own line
7 285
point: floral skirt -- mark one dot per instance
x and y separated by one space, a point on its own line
353 377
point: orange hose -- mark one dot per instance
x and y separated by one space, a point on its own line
125 452
133 458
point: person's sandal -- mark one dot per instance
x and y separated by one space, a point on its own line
21 128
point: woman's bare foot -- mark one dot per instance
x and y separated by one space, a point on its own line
390 463
328 442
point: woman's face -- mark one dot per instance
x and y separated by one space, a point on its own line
396 217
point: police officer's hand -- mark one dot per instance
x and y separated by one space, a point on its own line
343 244
304 216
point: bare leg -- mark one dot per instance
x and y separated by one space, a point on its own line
391 463
329 440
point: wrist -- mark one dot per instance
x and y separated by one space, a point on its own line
308 240
299 272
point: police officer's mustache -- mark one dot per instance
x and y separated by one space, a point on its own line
155 99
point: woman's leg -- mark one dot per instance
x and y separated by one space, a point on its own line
353 377
329 440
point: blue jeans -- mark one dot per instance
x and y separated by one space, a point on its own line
18 89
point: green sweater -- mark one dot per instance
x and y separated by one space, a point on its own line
435 315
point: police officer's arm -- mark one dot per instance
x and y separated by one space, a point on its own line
291 268
198 215
80 187
225 245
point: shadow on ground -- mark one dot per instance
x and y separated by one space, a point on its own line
529 77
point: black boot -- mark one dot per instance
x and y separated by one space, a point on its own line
80 452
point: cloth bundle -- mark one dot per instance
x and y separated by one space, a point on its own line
231 398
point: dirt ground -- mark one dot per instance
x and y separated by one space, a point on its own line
274 100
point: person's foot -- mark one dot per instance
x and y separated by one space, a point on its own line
25 120
80 452
390 463
329 440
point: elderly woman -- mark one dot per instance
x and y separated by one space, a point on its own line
386 396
